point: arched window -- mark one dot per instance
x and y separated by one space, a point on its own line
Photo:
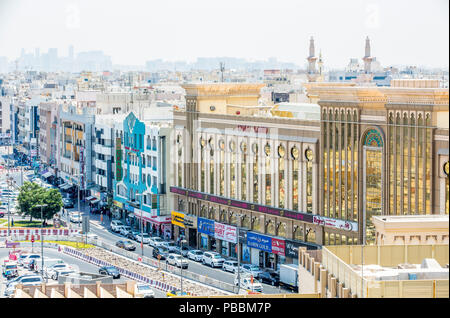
298 232
270 227
256 224
281 229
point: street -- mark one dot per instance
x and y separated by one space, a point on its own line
75 263
105 234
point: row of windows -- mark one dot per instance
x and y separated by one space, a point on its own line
137 141
252 172
409 149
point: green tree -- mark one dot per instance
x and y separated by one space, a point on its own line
31 195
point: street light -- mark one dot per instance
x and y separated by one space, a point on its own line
182 242
42 238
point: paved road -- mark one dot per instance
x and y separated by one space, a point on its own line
76 263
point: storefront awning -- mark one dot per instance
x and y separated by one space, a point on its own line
66 186
47 174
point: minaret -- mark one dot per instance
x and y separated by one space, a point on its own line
367 58
312 73
320 65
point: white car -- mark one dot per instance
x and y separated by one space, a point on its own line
212 259
75 218
125 229
230 266
195 255
177 260
26 261
155 241
52 271
145 238
143 291
170 246
115 225
25 280
247 284
251 269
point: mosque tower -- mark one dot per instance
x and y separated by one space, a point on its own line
367 58
312 72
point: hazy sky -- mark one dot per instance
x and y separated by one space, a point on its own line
131 32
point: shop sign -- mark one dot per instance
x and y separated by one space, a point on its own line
190 221
82 172
225 232
334 223
118 204
291 249
205 226
178 219
301 216
260 242
242 236
129 207
278 246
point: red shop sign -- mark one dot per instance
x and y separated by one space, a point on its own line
278 246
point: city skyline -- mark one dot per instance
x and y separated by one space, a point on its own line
399 36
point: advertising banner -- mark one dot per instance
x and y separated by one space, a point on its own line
178 219
334 223
118 159
205 226
260 242
245 253
225 232
278 246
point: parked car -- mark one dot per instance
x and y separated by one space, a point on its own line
26 261
155 241
269 278
110 271
212 259
143 291
124 230
177 260
184 250
127 245
68 203
230 266
25 280
251 269
115 225
248 283
132 235
164 252
145 238
9 269
2 212
171 246
195 255
52 271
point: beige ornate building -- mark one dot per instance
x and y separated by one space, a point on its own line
373 151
